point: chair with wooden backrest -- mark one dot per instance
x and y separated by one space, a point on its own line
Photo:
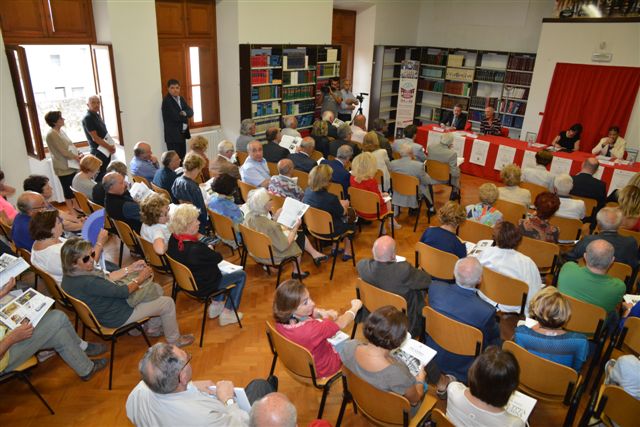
155 261
185 282
128 237
407 185
503 289
617 406
512 212
396 155
570 228
381 407
453 336
534 189
245 188
629 339
337 189
437 263
241 156
546 380
589 204
161 191
259 245
5 229
26 255
319 224
83 201
224 229
141 179
303 178
440 419
368 203
373 298
22 373
634 234
273 168
54 291
544 254
90 322
439 171
277 202
379 177
299 363
316 155
473 231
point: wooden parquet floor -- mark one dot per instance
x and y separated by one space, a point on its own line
229 353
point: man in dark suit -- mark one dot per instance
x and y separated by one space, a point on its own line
118 202
339 165
329 117
175 116
400 278
344 138
460 301
302 159
272 151
455 119
585 185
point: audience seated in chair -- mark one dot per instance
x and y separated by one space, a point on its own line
98 193
409 138
84 180
166 176
569 208
275 409
381 128
144 163
444 153
290 126
154 214
284 184
29 203
539 174
484 212
167 395
225 161
247 132
510 176
199 145
271 150
537 226
319 133
254 170
407 165
343 137
444 238
340 166
585 185
7 211
623 372
222 201
370 144
119 203
299 320
40 184
186 190
358 128
629 204
301 159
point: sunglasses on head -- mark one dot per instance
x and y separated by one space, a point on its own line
86 258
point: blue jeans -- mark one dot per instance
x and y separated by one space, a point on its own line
238 278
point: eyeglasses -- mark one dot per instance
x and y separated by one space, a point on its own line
86 258
189 356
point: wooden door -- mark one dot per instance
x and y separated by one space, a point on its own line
172 63
22 19
71 19
170 18
344 34
201 18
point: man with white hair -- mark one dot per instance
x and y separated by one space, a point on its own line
460 301
400 278
625 247
290 126
302 160
144 163
284 184
273 410
591 283
166 176
96 131
118 202
408 166
569 208
254 170
224 161
247 132
344 138
329 117
443 153
358 128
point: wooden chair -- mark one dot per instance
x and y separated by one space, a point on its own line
473 231
617 406
273 168
534 189
90 322
590 204
407 185
54 291
373 298
141 179
245 188
316 155
512 212
634 234
368 203
320 225
241 156
546 380
303 178
440 419
503 289
128 237
155 261
26 255
381 407
277 202
83 201
337 189
299 363
544 254
440 172
258 245
629 339
453 336
224 229
185 282
570 228
161 191
437 263
5 229
22 373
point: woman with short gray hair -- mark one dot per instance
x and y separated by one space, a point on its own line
247 132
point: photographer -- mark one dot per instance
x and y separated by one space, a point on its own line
349 101
331 96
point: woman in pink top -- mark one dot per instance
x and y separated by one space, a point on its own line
7 211
300 321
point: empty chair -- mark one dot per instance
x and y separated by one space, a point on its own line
245 188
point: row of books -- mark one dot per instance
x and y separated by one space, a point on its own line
289 93
306 120
457 88
518 78
293 60
515 92
325 70
430 113
512 121
450 101
265 108
490 75
524 63
328 55
432 85
261 76
481 102
265 92
436 73
476 115
299 107
296 77
266 60
513 107
436 59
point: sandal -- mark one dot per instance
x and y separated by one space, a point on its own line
442 394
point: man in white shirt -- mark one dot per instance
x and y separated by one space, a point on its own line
569 208
612 145
166 396
254 170
291 123
539 174
358 128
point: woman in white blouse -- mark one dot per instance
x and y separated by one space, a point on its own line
371 144
612 145
511 177
154 213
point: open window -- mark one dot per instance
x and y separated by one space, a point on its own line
62 77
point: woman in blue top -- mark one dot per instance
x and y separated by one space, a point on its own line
547 338
186 190
451 216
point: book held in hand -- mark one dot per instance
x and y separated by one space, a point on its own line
292 211
476 248
338 338
29 306
11 266
414 354
291 143
520 405
240 395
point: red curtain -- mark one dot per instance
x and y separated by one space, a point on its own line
596 96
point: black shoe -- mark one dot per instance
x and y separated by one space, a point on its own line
320 260
273 382
413 211
300 276
95 349
455 195
364 221
98 365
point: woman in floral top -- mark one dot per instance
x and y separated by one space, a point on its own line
484 212
538 226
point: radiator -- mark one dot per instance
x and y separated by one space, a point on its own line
214 136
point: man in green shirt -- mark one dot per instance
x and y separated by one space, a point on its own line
591 283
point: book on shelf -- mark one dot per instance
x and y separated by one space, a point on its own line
512 121
306 106
490 75
289 93
265 108
332 55
521 62
457 88
436 73
512 107
460 74
439 59
265 92
295 60
517 78
482 102
414 354
297 77
431 85
27 306
11 266
454 60
515 92
328 70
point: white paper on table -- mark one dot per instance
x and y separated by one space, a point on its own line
241 398
619 179
505 156
538 145
289 142
434 138
292 211
479 152
458 144
520 405
598 174
529 159
560 165
109 140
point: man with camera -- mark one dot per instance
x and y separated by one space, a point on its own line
331 96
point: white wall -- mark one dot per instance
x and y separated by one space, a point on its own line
363 53
396 22
578 42
227 24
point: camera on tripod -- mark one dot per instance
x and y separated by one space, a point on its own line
361 96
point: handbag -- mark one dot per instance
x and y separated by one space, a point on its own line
147 291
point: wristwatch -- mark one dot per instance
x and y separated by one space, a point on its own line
230 401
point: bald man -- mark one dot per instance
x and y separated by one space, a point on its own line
273 410
359 128
302 159
144 163
254 170
591 282
585 185
284 184
29 203
401 278
96 131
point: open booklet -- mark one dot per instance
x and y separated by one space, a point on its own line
414 354
29 306
227 267
520 405
241 397
476 248
292 211
631 298
11 266
291 143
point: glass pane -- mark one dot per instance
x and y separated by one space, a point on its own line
62 78
107 94
197 104
26 105
194 64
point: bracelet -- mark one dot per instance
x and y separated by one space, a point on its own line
351 312
126 270
134 281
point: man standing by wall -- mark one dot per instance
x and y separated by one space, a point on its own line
175 116
96 131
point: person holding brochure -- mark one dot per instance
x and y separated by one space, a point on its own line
96 132
299 320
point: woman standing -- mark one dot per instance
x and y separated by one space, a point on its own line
62 151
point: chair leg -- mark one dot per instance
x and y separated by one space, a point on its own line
295 260
233 305
335 257
144 334
273 364
23 377
279 273
353 331
353 252
323 400
113 353
343 406
391 221
204 320
415 226
381 227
